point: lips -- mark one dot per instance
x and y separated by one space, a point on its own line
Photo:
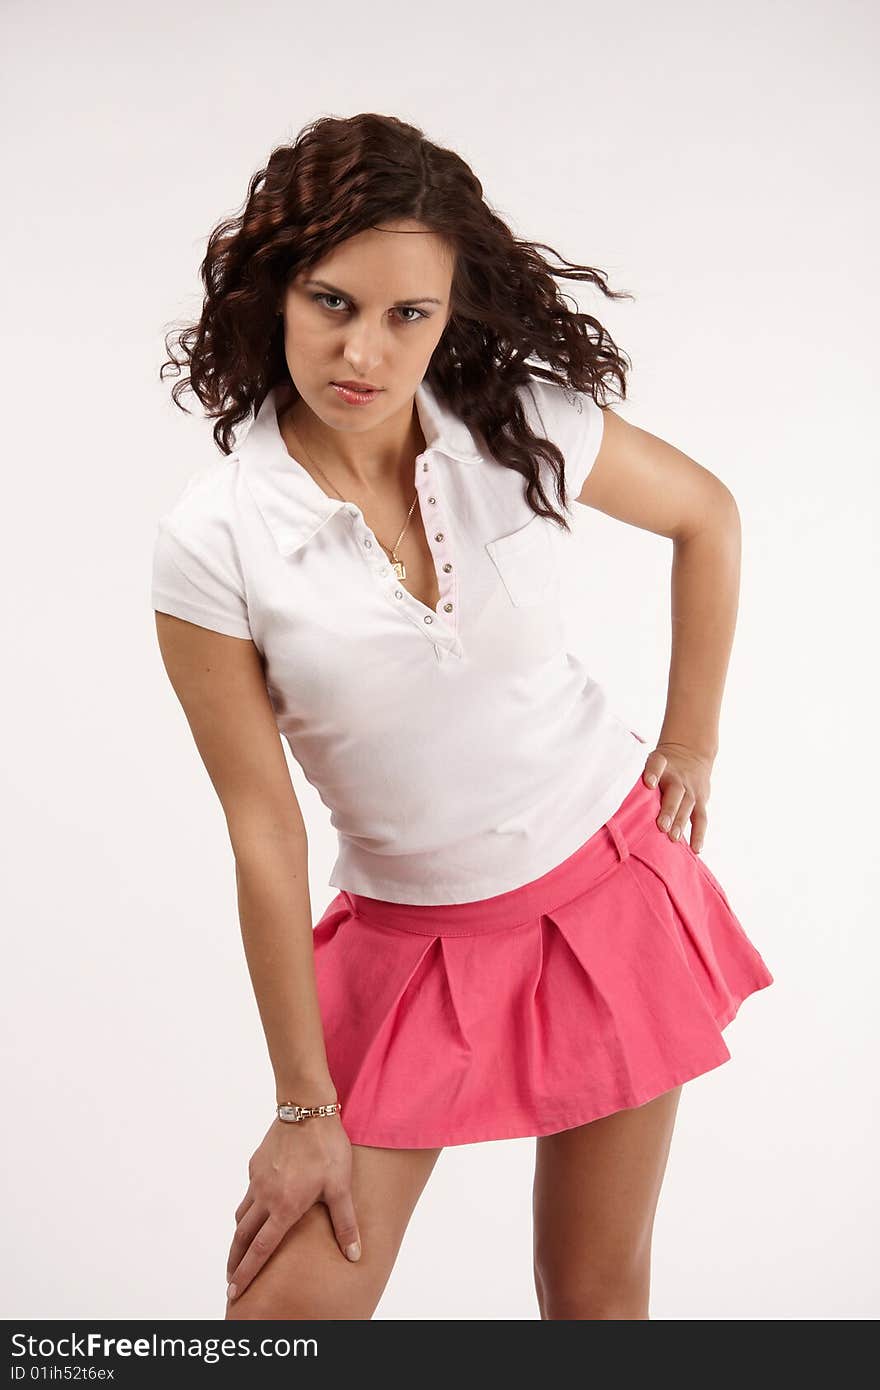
355 395
357 385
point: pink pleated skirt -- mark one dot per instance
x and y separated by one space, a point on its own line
594 988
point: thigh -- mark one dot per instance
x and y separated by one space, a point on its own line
309 1277
594 1198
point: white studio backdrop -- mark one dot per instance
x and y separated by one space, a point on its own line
714 161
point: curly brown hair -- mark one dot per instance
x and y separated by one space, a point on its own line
341 176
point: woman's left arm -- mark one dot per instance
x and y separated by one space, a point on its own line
640 479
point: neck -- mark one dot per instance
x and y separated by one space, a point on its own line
364 461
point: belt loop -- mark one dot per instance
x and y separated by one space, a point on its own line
618 837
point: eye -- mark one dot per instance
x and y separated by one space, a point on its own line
408 308
319 297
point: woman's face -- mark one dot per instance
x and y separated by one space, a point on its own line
371 311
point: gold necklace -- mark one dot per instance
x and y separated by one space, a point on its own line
399 566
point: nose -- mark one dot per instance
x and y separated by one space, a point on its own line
364 348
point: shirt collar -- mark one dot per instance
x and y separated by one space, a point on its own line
291 503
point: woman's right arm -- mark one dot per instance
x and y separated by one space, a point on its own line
220 684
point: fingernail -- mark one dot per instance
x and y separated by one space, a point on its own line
353 1251
676 832
651 780
664 822
231 1292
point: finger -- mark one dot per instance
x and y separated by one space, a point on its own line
264 1244
679 824
245 1202
699 825
670 802
345 1224
653 769
247 1228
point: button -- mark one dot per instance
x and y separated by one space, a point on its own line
432 499
447 608
425 466
368 543
398 593
447 567
439 536
428 618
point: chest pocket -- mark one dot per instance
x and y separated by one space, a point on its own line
526 563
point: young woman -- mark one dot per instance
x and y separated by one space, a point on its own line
522 942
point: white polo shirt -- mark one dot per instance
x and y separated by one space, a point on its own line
462 751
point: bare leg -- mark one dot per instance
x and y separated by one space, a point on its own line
594 1197
309 1277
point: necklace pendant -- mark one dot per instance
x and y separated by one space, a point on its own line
399 568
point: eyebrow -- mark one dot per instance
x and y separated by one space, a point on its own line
398 303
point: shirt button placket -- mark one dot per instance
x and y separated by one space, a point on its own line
440 548
436 538
447 588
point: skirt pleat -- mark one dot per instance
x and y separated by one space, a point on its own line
592 989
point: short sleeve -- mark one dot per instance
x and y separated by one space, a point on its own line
199 579
574 422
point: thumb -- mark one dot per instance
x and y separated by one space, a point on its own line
345 1225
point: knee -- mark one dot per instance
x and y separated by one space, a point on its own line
305 1303
292 1310
608 1293
308 1278
604 1306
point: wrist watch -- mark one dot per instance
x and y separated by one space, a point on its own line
291 1113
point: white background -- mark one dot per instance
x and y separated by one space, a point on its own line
717 162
